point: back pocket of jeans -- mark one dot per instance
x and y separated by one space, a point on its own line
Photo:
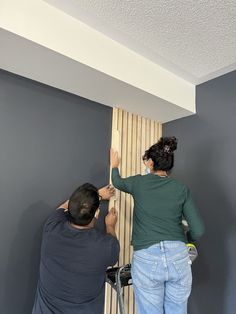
143 271
184 271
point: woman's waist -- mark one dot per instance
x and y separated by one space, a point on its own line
170 250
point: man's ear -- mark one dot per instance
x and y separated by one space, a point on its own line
97 213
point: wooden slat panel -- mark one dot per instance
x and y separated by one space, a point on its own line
131 136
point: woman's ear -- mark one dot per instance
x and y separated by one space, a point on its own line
97 213
150 163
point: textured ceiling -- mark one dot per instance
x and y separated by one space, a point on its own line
195 39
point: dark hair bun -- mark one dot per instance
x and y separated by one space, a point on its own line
167 144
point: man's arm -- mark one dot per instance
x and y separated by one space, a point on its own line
114 246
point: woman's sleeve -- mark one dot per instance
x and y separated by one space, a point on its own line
191 214
123 184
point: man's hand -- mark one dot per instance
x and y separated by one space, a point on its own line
114 158
106 192
110 221
111 218
64 206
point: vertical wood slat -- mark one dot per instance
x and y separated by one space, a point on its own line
143 142
134 170
109 294
131 136
116 205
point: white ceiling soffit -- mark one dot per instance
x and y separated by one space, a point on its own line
54 69
43 43
196 40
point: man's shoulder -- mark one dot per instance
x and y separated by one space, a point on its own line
106 240
56 217
103 236
110 247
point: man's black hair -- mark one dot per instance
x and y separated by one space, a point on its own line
83 204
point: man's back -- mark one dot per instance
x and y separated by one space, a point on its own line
72 268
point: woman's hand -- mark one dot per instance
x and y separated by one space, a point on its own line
114 158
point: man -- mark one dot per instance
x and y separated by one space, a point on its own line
75 256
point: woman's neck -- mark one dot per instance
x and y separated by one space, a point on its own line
160 173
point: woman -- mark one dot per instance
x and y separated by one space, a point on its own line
161 268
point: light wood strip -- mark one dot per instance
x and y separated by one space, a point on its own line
138 149
123 155
159 130
108 288
120 124
143 142
155 131
148 139
152 132
129 215
134 157
128 173
134 162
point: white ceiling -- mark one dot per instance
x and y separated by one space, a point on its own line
195 40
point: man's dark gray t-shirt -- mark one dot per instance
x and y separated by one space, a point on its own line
72 268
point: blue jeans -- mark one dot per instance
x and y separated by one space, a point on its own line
162 278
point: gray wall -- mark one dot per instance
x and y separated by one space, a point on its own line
50 143
205 161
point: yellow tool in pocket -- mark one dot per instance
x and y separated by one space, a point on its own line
192 251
